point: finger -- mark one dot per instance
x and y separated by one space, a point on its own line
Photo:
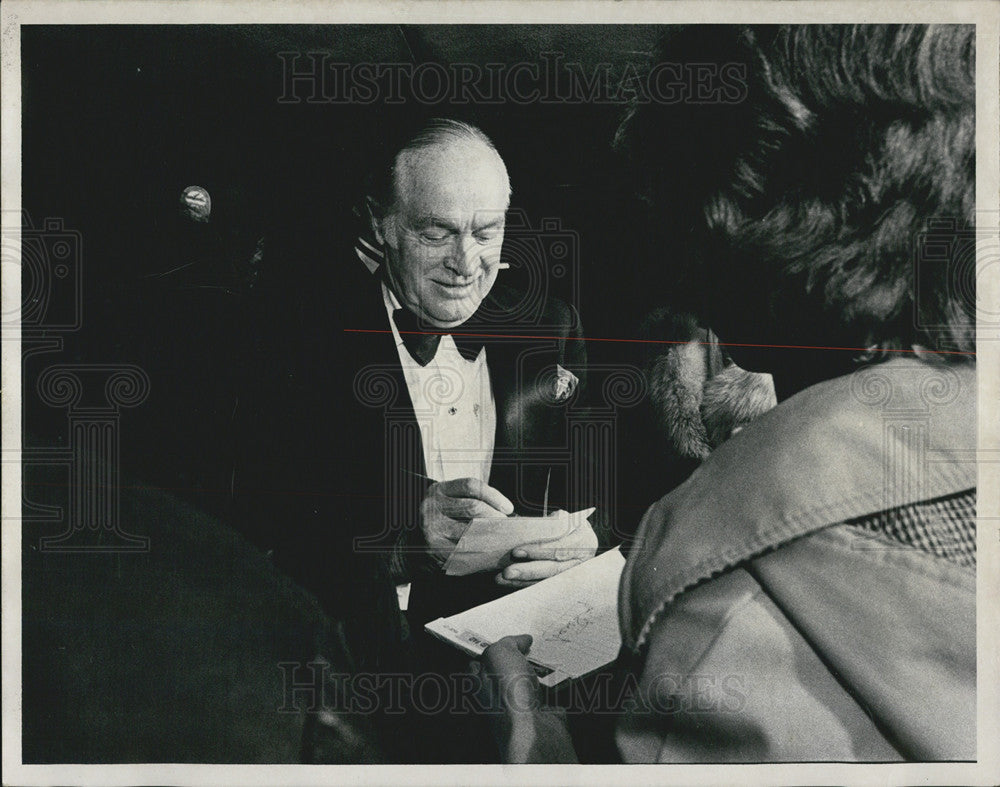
520 641
504 655
580 543
473 487
536 569
547 550
469 508
568 546
513 583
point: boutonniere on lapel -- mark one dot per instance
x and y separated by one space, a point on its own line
565 384
549 388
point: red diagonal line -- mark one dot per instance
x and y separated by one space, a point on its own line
657 341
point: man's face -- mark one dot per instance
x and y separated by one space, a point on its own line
443 237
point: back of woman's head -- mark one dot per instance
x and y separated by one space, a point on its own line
838 202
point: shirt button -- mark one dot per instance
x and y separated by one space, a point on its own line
452 410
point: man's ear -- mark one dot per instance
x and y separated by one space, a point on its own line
375 217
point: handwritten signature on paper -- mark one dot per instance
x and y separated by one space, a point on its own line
574 626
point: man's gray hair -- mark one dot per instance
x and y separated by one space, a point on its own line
439 131
436 131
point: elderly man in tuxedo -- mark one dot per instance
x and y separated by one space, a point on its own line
417 392
439 215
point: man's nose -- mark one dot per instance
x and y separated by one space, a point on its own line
464 259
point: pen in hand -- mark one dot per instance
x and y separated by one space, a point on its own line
545 499
419 475
435 481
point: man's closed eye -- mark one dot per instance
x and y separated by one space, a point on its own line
435 236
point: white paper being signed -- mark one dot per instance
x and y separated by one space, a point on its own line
572 618
486 543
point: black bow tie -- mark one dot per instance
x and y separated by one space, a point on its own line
421 340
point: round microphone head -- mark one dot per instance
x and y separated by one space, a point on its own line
196 204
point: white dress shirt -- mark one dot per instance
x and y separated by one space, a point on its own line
453 405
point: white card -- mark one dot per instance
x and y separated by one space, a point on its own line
486 544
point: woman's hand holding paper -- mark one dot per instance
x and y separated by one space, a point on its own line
525 730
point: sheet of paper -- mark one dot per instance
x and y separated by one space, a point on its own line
486 543
572 618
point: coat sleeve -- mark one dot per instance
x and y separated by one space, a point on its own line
727 678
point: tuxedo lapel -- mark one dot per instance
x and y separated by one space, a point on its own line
389 436
525 420
501 362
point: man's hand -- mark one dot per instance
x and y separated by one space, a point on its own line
449 506
544 559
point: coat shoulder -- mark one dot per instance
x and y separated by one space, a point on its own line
520 308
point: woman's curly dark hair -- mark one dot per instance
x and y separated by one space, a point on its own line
817 194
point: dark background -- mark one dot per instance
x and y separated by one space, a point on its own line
117 120
153 656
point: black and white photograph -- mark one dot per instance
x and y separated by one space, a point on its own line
439 393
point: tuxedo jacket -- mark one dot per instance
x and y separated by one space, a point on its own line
329 478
